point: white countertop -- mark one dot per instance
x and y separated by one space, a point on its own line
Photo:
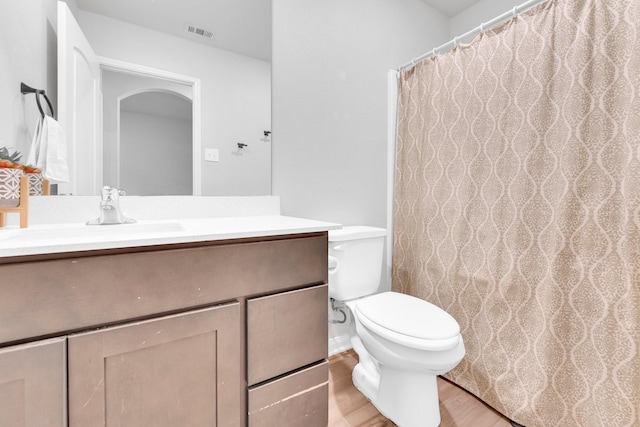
60 238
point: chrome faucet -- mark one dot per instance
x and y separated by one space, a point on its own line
110 212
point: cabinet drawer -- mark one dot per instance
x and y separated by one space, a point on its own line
299 399
285 332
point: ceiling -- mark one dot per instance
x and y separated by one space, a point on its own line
241 26
450 7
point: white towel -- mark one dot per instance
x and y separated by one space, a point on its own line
49 150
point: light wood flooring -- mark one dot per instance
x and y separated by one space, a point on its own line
349 408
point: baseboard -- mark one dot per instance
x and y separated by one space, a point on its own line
339 344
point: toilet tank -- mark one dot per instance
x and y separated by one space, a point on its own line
355 261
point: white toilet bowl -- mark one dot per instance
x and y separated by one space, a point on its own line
402 342
411 341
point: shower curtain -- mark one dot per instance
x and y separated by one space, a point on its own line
517 209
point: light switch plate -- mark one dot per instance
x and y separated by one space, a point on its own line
211 155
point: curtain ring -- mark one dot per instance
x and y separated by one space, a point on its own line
482 27
514 12
433 52
455 41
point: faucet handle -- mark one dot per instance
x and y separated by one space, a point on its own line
112 192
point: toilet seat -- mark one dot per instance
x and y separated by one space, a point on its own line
409 321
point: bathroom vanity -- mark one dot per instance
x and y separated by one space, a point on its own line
187 328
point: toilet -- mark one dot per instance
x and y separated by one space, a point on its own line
402 342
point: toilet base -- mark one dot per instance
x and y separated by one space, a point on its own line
409 399
366 383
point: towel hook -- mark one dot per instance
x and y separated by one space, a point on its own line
24 89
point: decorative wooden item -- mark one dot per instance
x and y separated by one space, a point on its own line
9 186
23 205
36 183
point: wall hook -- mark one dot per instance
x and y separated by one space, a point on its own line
241 145
267 132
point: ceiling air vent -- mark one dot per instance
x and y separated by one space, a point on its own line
190 28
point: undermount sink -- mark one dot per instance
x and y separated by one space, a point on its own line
81 232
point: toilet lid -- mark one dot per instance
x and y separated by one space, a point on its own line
408 315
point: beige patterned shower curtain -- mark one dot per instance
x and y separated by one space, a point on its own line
517 209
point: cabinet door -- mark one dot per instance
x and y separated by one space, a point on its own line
285 332
180 370
32 384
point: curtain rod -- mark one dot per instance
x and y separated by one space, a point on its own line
481 28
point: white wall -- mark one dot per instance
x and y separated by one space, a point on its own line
478 13
330 62
27 54
236 98
156 154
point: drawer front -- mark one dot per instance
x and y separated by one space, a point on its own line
299 399
48 297
285 332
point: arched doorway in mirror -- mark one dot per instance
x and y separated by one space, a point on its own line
155 152
155 161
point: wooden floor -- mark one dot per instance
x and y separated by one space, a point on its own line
349 408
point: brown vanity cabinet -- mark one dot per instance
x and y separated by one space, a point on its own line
220 333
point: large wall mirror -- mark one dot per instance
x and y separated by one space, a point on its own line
176 100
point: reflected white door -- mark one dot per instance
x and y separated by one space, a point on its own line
79 106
